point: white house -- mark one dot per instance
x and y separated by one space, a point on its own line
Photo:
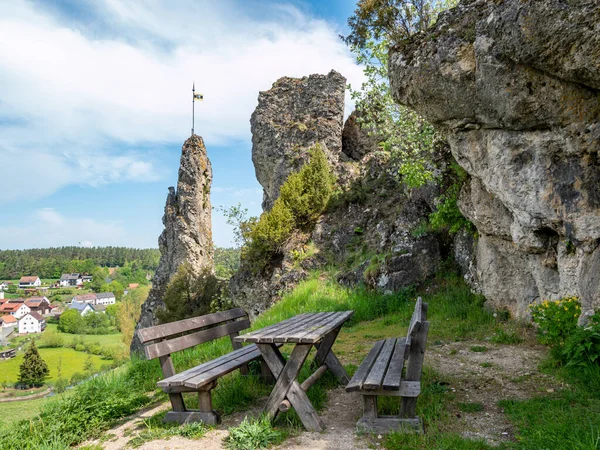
31 323
3 285
86 278
70 279
8 321
82 308
105 298
17 309
84 298
29 282
1 295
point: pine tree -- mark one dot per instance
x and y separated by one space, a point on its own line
33 370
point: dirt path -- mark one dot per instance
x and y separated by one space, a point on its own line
474 378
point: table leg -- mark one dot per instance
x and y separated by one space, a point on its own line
287 384
326 356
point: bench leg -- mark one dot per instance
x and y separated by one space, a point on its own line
372 422
205 413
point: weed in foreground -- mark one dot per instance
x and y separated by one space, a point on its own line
479 349
502 336
253 434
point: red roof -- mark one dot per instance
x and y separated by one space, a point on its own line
28 279
8 319
83 297
10 307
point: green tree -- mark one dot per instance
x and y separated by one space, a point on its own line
306 192
408 138
33 370
88 365
71 322
112 312
188 295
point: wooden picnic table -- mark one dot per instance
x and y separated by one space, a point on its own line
304 331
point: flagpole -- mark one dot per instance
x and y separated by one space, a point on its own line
193 105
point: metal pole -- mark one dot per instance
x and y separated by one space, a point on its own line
193 105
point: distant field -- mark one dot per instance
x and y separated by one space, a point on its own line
104 340
72 361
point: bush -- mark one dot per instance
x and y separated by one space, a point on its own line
303 197
51 339
582 347
556 320
253 434
71 322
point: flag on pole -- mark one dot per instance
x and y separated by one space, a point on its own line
198 97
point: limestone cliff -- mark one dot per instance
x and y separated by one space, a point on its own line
516 87
369 230
290 118
188 234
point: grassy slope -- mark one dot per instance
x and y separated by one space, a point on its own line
454 314
104 340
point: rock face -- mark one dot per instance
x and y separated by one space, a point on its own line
291 117
188 234
370 232
516 87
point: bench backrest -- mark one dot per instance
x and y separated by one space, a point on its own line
416 338
162 340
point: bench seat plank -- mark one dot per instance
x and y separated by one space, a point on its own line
361 373
221 364
178 379
393 376
374 379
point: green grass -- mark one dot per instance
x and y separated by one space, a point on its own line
12 412
470 407
104 340
70 360
479 349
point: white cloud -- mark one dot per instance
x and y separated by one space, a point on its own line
48 228
70 94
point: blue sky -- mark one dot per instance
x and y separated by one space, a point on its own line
95 105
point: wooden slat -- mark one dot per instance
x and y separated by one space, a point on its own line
322 329
177 380
394 372
374 379
414 368
364 369
416 317
190 340
254 335
219 371
269 338
407 389
181 326
317 321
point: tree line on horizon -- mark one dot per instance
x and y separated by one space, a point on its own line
53 262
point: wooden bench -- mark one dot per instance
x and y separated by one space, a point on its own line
162 340
393 368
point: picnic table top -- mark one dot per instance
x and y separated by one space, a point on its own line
307 328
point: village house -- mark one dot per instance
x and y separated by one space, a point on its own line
84 298
40 305
70 279
87 278
8 321
4 285
82 308
32 323
29 282
105 298
15 308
